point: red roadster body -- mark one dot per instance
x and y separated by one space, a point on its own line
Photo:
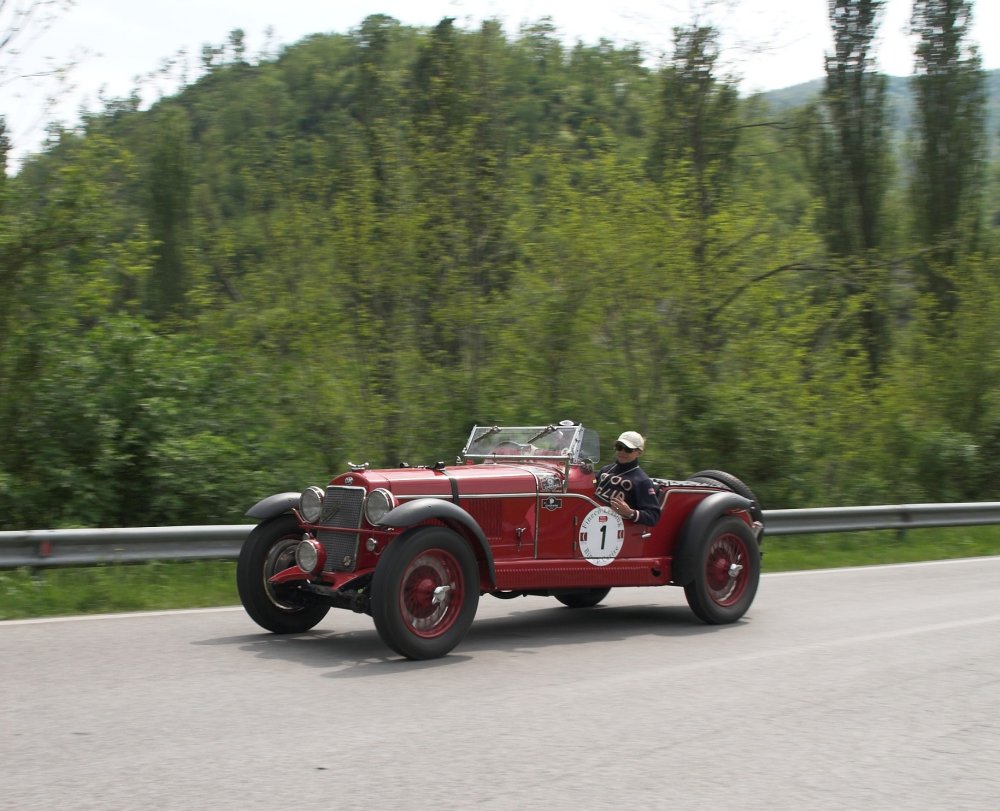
416 547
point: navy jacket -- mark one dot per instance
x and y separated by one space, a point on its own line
636 487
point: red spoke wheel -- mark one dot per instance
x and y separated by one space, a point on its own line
727 572
425 593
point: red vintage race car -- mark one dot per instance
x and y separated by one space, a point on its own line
416 547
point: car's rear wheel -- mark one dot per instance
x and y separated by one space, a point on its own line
585 598
425 592
269 549
730 482
726 572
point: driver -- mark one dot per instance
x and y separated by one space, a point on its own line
625 486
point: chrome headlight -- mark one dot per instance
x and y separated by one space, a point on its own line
311 504
310 556
378 503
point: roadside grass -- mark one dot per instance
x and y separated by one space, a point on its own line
833 550
112 588
29 593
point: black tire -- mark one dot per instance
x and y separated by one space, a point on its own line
411 615
720 592
585 598
730 482
269 549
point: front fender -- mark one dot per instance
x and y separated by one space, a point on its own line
273 505
708 511
426 509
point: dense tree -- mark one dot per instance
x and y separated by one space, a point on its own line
848 153
538 82
853 149
378 102
950 95
169 206
697 129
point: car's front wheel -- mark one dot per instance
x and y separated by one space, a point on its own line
425 592
726 572
269 549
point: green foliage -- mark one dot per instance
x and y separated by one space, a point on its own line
138 429
358 249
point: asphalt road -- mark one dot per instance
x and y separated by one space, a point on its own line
843 689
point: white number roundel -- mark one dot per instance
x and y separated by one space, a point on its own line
602 534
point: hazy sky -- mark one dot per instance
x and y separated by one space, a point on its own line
768 43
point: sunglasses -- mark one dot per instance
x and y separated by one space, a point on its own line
621 447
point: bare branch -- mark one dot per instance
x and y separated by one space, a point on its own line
22 23
832 269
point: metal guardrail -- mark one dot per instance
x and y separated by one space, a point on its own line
85 547
894 516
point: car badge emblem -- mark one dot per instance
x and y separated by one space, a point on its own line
349 480
549 483
552 504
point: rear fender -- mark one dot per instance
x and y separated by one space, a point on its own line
421 510
273 506
708 511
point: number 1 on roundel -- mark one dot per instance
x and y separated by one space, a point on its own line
602 535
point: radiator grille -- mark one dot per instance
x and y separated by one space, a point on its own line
342 507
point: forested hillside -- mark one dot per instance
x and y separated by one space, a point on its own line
357 249
900 104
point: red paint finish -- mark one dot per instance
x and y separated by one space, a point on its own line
532 532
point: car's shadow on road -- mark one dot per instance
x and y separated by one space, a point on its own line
362 653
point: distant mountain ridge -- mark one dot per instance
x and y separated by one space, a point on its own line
900 102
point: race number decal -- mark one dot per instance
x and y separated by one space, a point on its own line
602 534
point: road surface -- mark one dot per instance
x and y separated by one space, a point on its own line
867 688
